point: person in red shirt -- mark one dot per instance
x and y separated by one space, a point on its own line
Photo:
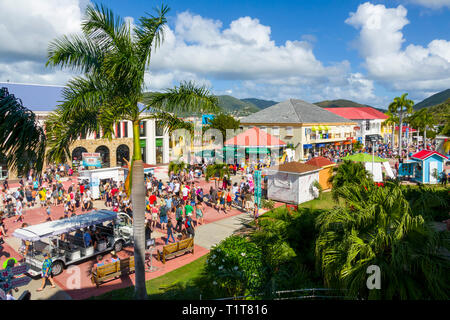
114 191
82 189
152 199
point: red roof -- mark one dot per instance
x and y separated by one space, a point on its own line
358 113
319 162
255 137
424 154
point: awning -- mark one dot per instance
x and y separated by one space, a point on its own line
307 146
314 129
337 143
257 150
347 142
205 153
229 148
55 228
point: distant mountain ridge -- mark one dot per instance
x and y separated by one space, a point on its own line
243 107
261 104
342 103
435 99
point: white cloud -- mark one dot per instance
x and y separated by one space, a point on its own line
245 53
196 48
26 28
433 4
380 43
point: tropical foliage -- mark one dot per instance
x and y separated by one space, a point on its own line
176 167
235 264
22 139
349 172
217 170
377 227
222 122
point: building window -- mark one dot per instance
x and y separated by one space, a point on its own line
289 131
143 128
125 129
159 129
118 130
143 145
367 125
276 131
159 150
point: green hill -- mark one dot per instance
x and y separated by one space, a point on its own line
261 104
433 100
236 106
342 103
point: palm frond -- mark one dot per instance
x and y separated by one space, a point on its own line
188 97
22 139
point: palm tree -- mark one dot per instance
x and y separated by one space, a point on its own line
391 121
425 120
22 139
348 172
218 170
401 106
113 57
377 227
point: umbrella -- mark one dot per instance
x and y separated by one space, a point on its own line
363 157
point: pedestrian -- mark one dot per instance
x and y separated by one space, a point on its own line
163 216
19 210
169 231
46 272
179 218
154 211
199 213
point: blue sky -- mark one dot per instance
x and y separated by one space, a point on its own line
366 51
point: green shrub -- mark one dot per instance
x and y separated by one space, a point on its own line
235 265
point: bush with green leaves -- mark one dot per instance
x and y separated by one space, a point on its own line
267 204
431 203
235 265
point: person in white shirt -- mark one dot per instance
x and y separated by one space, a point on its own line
176 188
19 211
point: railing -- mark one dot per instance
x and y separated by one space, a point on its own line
311 293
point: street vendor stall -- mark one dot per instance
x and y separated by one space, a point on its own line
117 174
326 170
429 166
292 182
373 164
252 143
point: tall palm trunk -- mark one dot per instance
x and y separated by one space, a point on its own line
425 137
393 136
138 202
400 127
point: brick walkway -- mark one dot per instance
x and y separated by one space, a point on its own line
85 288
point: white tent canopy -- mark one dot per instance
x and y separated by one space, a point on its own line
58 227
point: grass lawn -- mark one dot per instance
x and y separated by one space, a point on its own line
177 284
324 203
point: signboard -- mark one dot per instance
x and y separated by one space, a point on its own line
159 142
258 188
11 278
92 159
143 143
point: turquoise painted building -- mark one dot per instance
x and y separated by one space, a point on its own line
428 166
